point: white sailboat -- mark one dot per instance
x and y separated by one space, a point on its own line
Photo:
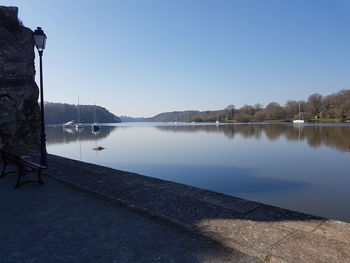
217 118
95 127
78 125
300 119
69 124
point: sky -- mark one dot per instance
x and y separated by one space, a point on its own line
142 57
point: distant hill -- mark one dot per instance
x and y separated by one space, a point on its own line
183 116
134 119
175 116
58 113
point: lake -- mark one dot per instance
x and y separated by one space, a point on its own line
303 168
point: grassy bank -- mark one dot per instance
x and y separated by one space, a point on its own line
326 120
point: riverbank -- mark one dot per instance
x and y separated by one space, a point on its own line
268 233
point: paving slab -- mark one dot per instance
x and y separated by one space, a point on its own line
336 230
251 237
310 247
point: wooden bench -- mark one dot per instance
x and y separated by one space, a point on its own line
23 163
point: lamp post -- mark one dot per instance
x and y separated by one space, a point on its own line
40 41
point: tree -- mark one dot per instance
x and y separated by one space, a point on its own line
257 107
259 116
291 108
246 109
274 111
230 109
314 104
242 117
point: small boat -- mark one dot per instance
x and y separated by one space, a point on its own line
300 119
78 126
95 127
69 124
217 118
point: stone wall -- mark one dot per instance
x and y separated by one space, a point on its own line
19 108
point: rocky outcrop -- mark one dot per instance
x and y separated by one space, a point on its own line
19 108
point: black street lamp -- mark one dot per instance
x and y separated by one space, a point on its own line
40 41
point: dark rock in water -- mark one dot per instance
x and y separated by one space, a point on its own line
19 108
98 148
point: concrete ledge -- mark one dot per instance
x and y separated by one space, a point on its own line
269 233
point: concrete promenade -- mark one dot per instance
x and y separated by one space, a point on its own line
264 232
58 223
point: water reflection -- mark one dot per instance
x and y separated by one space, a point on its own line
335 136
59 134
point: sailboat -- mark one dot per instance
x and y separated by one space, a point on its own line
217 118
300 119
69 124
78 125
95 127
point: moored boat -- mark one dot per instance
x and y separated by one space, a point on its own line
78 126
69 124
300 119
95 127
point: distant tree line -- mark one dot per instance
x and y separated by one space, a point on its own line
334 107
58 113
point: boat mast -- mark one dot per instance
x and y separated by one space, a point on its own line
78 117
95 112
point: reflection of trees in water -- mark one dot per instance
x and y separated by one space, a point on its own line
338 137
332 136
59 135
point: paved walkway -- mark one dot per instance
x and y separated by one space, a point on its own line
265 232
269 233
58 223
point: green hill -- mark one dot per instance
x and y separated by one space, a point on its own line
58 113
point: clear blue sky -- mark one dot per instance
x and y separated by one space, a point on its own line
140 58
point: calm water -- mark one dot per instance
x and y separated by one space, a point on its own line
300 168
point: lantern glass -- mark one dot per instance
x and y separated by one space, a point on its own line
39 39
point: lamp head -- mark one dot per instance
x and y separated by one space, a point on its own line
39 39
